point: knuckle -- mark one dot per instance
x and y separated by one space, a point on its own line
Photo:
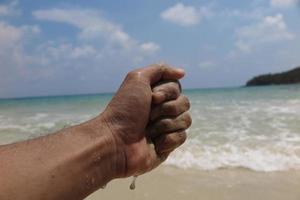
186 102
172 94
174 85
131 74
159 66
171 109
134 74
175 89
174 110
169 89
187 120
165 124
181 137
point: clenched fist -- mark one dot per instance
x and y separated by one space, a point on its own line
147 118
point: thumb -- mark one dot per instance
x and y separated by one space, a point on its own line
159 72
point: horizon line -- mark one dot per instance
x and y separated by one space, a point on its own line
97 93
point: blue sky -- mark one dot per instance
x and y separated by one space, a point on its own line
74 47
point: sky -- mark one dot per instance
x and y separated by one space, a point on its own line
81 47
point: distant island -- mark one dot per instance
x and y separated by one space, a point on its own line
288 77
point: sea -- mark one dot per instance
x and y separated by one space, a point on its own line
253 128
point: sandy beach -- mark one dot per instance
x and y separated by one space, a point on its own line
226 184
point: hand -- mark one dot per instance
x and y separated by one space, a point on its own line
128 114
168 118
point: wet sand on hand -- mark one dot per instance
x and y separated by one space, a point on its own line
225 184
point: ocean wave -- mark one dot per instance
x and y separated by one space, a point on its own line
256 134
38 116
38 124
268 158
27 128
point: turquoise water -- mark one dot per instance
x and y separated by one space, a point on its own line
257 128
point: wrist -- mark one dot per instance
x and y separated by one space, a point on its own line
109 147
119 157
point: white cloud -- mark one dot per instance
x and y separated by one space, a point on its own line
101 47
83 51
9 9
269 30
150 47
9 35
93 26
283 3
12 36
256 13
54 51
12 54
207 64
185 15
3 10
89 22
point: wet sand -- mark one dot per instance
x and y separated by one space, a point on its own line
227 184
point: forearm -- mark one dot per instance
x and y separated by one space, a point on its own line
74 162
69 164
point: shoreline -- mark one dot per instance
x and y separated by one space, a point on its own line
225 184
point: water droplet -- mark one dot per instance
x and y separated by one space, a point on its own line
132 185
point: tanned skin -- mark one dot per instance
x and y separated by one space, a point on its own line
144 122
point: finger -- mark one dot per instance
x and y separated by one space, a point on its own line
165 144
155 73
165 91
170 108
168 125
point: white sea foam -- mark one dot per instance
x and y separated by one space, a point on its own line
205 157
13 128
38 116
